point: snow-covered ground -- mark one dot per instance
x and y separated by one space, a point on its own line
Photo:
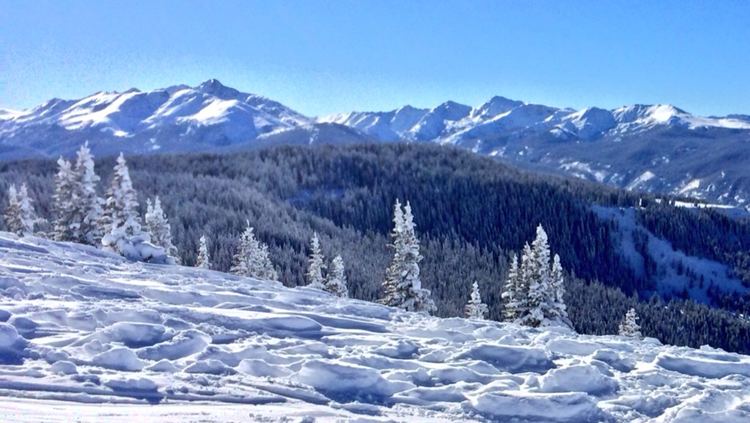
88 336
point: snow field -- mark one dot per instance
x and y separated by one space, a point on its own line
79 326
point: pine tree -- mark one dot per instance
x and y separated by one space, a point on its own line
252 258
316 265
336 280
629 326
393 294
513 293
203 260
20 217
559 311
537 299
125 235
476 309
539 288
65 226
267 270
120 215
159 228
88 203
402 285
12 214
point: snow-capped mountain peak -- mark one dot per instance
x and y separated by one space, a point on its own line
183 117
494 106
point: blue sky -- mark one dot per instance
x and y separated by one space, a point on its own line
329 56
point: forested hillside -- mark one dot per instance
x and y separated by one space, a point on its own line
471 213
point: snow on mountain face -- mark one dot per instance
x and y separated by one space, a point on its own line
682 154
384 126
171 343
179 117
589 123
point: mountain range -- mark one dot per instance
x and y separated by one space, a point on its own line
656 148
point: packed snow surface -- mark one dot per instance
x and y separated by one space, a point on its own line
88 336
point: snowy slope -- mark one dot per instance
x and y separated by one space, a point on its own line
673 270
82 327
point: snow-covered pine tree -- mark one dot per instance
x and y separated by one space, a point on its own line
513 293
12 213
203 261
267 270
557 278
125 235
120 217
476 309
159 228
252 258
402 286
336 278
20 217
527 273
393 294
539 287
316 265
629 326
88 203
246 257
64 203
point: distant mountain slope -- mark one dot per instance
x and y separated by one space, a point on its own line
656 148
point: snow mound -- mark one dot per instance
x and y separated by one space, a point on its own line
79 326
514 359
118 359
582 378
704 366
568 407
11 344
346 382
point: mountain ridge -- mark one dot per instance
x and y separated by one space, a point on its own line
657 148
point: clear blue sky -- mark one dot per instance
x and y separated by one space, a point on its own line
329 56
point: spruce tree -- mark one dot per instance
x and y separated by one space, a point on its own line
402 285
559 311
120 217
336 279
12 214
125 235
203 261
629 326
476 309
316 265
252 258
65 225
159 228
20 217
513 293
539 288
87 202
268 271
538 294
